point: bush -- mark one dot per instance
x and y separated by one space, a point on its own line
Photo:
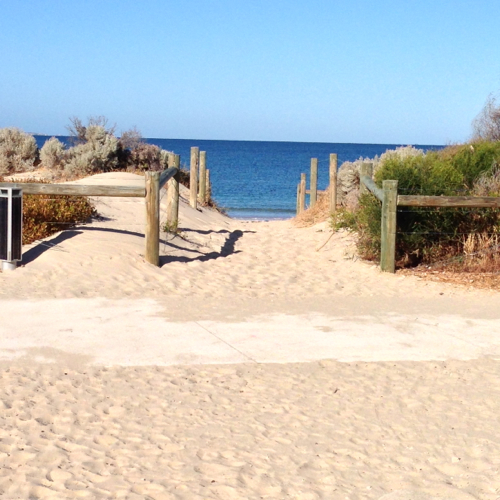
426 234
148 157
99 153
473 160
52 154
18 151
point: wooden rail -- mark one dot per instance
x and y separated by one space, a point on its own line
391 200
449 201
77 189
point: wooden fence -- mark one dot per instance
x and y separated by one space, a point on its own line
391 200
154 182
313 189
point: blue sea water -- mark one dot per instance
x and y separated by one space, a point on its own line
258 179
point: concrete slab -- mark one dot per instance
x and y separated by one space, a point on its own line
135 332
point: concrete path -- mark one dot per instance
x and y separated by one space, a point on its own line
139 332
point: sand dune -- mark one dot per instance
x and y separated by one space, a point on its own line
123 380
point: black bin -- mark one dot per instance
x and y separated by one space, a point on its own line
11 224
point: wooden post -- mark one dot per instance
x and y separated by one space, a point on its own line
153 218
203 177
298 198
208 188
193 178
173 195
302 198
314 182
366 169
333 182
171 160
388 239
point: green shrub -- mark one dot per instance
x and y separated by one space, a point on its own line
18 151
473 160
426 234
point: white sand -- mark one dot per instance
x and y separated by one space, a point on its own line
249 365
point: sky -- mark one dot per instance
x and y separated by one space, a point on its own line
357 71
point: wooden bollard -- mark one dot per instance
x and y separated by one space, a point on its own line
153 218
193 177
333 182
203 177
302 198
388 229
314 182
365 170
298 199
173 195
208 188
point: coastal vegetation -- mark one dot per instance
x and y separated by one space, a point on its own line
460 238
94 148
44 215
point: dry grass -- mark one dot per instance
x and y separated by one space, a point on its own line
319 213
477 267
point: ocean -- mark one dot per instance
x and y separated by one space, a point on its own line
258 180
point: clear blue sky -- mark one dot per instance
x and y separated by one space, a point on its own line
371 71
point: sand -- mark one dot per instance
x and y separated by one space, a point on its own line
249 365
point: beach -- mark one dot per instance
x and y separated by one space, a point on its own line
261 360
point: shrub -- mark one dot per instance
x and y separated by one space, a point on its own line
98 154
348 174
427 234
52 154
473 160
148 157
79 132
18 151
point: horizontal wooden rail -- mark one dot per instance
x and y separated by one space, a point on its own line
308 191
77 189
167 174
449 201
373 188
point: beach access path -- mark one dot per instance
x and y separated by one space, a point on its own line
254 363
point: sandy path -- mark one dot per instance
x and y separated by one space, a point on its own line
191 403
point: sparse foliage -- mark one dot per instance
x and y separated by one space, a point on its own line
78 131
486 126
130 139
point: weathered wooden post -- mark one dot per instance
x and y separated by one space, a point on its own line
173 194
153 218
314 182
203 177
333 182
365 170
298 198
388 237
193 177
208 188
302 199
